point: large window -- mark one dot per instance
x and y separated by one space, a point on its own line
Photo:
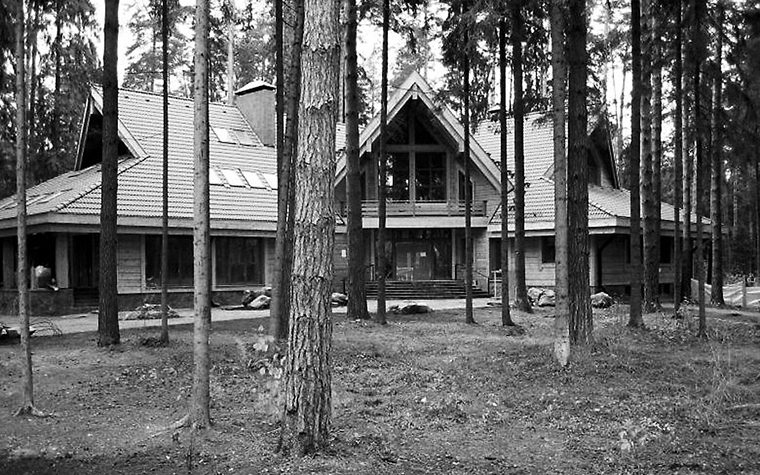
180 261
397 176
239 261
430 176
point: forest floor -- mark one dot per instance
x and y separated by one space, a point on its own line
424 394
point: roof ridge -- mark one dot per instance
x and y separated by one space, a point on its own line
160 95
98 183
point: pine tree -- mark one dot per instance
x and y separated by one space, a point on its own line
635 319
306 413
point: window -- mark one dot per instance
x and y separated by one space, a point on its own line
232 177
397 176
243 137
461 188
666 248
548 250
180 261
239 261
224 135
430 176
253 179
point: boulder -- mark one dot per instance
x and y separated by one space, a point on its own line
409 308
339 299
261 302
251 295
534 294
149 311
546 299
601 300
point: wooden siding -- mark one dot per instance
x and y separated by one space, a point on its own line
129 261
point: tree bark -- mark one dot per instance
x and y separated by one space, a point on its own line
716 212
521 291
647 187
698 39
108 316
559 93
165 178
357 291
381 192
506 317
580 318
279 311
678 162
635 319
306 415
657 59
200 403
22 274
468 313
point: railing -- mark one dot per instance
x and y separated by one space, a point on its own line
420 208
459 274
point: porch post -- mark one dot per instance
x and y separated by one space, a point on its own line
62 260
593 264
9 271
453 253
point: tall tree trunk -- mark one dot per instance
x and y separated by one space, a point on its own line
521 291
657 31
231 55
757 207
108 317
306 415
357 291
382 258
688 179
278 326
635 319
678 162
469 317
699 130
280 309
32 77
716 212
55 138
200 403
165 178
559 93
506 317
647 187
581 321
22 274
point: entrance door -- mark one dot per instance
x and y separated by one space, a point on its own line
85 261
413 260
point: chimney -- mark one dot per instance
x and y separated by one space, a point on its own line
256 100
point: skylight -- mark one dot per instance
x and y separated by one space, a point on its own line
244 137
253 179
224 135
271 180
213 177
232 177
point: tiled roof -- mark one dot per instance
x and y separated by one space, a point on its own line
78 193
604 202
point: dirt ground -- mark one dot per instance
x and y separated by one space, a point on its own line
424 394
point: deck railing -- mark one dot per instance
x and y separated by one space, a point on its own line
420 208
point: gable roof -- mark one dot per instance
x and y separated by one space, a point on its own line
416 88
236 203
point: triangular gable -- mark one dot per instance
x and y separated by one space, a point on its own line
416 88
95 103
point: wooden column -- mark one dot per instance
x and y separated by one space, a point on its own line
62 260
9 268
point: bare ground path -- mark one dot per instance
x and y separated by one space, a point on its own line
424 394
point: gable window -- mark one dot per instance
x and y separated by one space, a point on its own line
430 176
397 176
239 261
180 261
461 188
548 251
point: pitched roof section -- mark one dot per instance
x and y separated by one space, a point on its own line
140 178
416 88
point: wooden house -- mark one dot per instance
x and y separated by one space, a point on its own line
425 208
